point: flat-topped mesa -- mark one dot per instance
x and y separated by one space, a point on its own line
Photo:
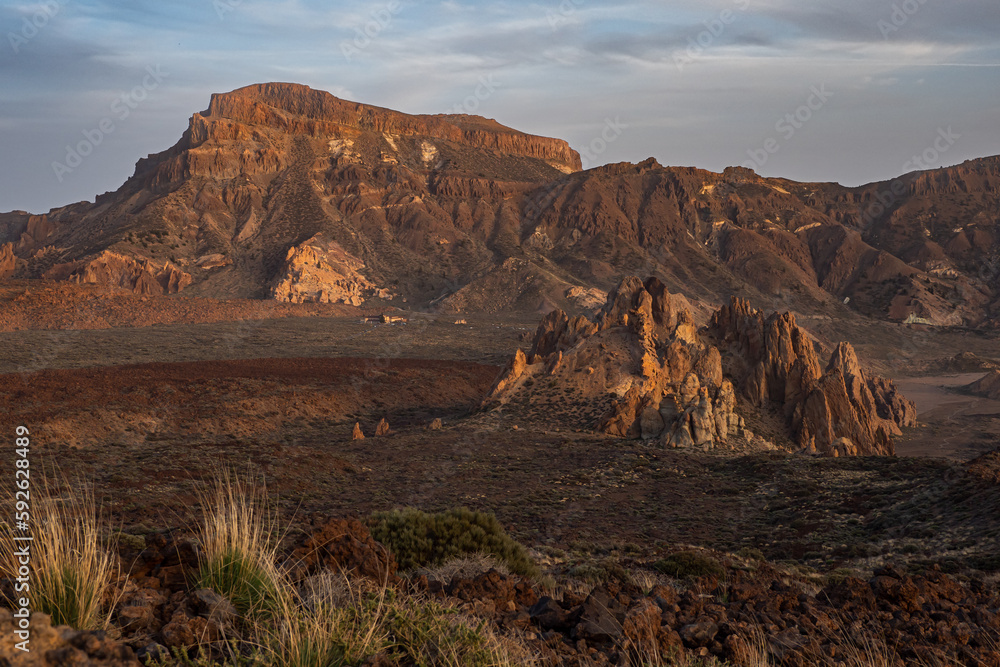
298 109
839 410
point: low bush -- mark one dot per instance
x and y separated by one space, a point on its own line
419 539
689 565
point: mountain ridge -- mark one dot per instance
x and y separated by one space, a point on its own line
460 212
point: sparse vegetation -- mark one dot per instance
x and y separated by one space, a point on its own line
418 539
238 548
72 561
689 565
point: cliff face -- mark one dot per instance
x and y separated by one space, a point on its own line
460 212
295 109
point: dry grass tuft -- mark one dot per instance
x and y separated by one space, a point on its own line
72 560
239 548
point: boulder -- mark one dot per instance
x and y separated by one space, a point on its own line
342 545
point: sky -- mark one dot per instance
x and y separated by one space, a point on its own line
851 91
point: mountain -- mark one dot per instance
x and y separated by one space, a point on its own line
283 192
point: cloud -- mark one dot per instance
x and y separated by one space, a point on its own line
563 67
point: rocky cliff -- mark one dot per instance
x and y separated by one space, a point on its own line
774 364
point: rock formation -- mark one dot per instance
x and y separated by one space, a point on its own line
644 358
8 262
665 380
774 365
322 272
141 276
382 428
358 434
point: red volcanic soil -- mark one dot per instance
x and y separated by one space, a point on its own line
40 304
232 399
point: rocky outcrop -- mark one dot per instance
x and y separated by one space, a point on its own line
140 276
774 365
8 262
664 379
643 358
319 271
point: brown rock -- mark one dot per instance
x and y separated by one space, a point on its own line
777 364
382 428
60 645
8 262
662 378
321 271
358 434
342 545
111 269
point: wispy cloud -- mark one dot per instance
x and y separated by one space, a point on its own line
565 66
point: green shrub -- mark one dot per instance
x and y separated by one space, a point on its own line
689 564
751 553
427 633
419 539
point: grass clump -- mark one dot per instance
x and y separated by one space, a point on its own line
72 561
238 549
419 539
689 565
335 621
428 633
331 621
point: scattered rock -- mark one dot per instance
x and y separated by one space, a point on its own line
60 645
